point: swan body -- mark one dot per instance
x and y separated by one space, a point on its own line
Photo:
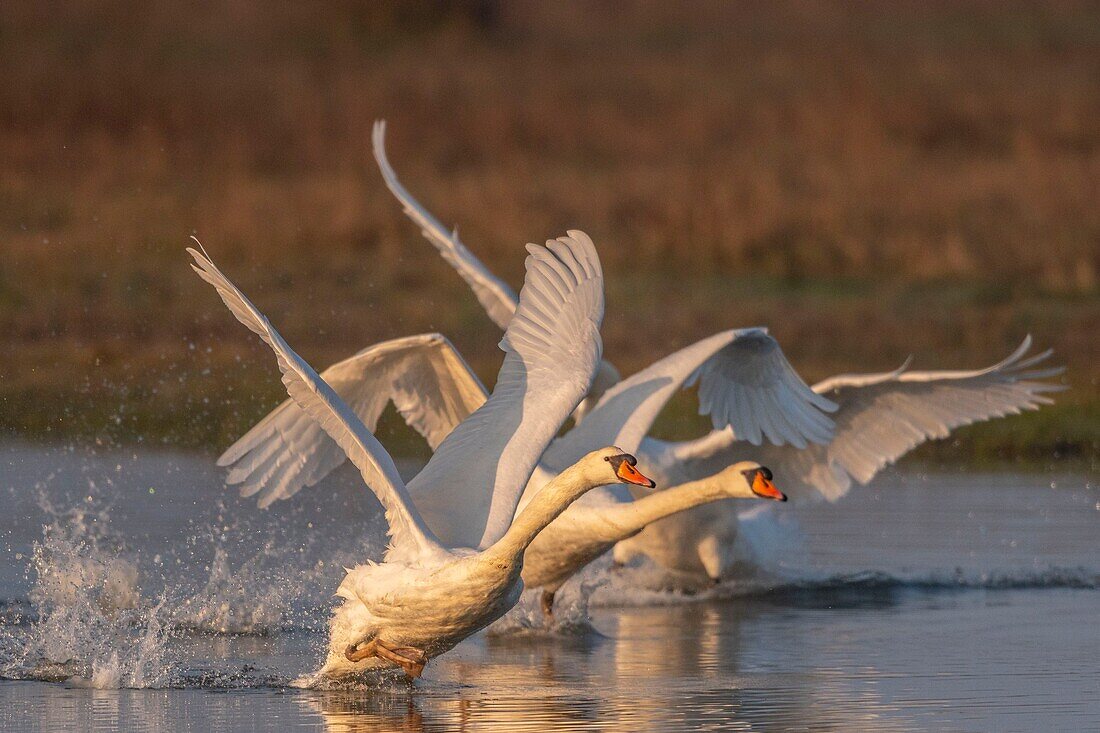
432 606
438 585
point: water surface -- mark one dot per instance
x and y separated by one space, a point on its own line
138 594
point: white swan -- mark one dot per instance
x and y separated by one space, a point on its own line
881 418
887 415
435 589
576 538
755 375
744 382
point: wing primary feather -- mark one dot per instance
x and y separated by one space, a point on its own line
325 406
498 300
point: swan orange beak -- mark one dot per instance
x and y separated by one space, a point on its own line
764 488
631 475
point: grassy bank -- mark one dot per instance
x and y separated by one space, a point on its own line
205 389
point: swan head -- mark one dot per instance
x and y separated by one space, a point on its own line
757 478
612 465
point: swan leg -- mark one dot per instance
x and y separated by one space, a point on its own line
355 653
408 658
546 600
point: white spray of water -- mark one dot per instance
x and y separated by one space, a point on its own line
90 623
272 589
234 601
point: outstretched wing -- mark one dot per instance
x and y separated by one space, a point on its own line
424 376
884 416
745 382
410 536
469 490
751 387
498 300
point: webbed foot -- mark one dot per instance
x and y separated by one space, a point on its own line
355 653
408 658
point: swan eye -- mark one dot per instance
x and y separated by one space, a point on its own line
619 460
750 473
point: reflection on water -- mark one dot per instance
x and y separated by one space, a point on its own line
967 660
965 603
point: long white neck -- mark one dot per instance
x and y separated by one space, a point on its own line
632 517
550 501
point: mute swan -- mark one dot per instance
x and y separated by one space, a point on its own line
887 415
625 414
881 418
744 381
435 589
576 538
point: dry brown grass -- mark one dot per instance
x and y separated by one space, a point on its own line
869 179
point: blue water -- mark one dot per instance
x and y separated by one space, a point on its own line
152 599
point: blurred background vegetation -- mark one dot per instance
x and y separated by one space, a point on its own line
869 180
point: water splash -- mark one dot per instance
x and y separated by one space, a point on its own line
240 601
77 561
285 585
186 589
570 612
89 624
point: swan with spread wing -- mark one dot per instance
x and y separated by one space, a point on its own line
881 417
438 586
743 377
